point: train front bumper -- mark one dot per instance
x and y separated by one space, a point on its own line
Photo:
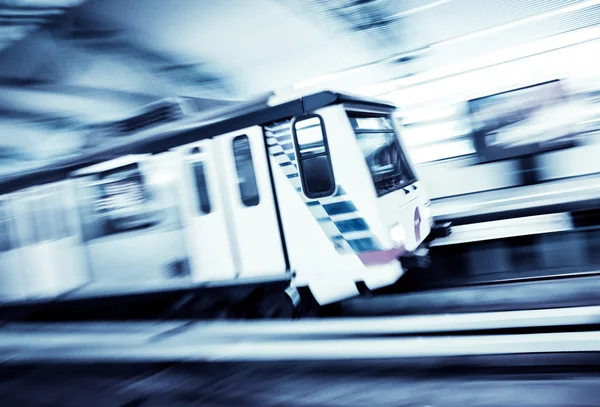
439 230
420 258
416 259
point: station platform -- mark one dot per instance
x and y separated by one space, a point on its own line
565 195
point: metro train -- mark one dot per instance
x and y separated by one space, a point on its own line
313 195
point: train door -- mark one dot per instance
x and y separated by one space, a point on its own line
207 233
250 201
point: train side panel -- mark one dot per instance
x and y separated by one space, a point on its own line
207 232
46 257
252 216
132 226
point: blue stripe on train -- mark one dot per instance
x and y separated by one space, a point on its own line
338 208
352 225
281 147
363 245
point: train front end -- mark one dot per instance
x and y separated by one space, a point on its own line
354 212
402 202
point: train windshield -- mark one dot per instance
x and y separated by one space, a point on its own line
382 151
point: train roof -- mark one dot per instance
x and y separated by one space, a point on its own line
194 128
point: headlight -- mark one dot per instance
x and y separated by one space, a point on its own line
397 234
427 211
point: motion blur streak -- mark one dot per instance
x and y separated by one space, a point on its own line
299 203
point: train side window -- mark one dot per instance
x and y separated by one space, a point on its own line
63 225
65 221
27 222
245 170
201 187
5 244
43 214
314 161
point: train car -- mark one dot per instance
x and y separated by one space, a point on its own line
313 195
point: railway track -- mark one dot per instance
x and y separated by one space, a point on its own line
293 386
559 330
475 359
544 357
511 295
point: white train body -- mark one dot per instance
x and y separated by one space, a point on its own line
315 191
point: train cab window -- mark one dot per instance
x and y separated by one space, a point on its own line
245 171
383 153
309 137
201 187
314 162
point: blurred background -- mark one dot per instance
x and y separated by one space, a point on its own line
71 71
499 109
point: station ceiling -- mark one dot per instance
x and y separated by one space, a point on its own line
66 65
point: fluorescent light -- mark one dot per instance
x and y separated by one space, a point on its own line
441 151
551 43
428 113
434 133
328 77
569 9
526 50
422 8
335 75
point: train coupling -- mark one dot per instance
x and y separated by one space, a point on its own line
417 259
439 230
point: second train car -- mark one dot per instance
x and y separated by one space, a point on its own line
315 194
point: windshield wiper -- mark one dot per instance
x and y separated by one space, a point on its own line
391 183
